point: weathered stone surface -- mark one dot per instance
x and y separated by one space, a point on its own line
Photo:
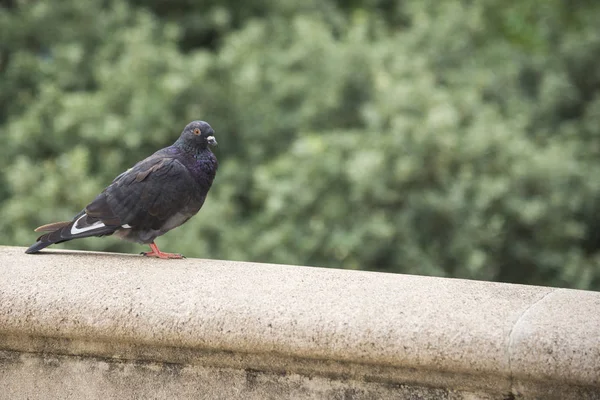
558 340
125 321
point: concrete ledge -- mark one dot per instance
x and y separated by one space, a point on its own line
99 325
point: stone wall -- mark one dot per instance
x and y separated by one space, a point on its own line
81 325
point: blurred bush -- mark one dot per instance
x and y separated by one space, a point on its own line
443 138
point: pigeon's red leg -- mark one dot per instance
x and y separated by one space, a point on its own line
159 254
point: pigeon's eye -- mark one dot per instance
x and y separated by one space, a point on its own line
197 131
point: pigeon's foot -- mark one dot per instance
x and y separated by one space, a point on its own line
162 255
159 254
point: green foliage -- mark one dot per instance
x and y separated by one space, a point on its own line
441 138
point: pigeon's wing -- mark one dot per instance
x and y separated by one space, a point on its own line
145 196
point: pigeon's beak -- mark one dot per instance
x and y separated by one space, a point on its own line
211 140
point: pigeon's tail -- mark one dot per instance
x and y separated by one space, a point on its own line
37 246
81 226
52 227
58 235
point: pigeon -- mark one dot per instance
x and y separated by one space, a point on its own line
156 195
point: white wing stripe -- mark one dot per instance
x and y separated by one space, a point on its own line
95 225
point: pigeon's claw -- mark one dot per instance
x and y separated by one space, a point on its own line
162 255
159 254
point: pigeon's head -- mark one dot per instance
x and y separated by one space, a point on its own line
197 135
